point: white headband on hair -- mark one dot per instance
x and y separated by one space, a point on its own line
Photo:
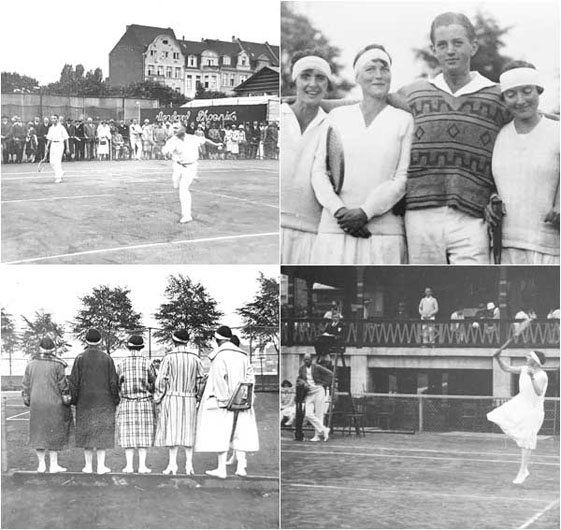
519 77
535 357
311 62
374 54
221 337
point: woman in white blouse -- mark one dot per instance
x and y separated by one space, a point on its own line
357 224
301 128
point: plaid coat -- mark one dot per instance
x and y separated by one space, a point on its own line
135 415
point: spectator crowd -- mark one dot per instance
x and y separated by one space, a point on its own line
103 139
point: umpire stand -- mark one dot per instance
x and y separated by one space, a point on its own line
330 353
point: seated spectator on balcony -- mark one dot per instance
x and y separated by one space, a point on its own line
328 315
526 312
428 309
402 312
493 311
458 329
103 139
554 314
315 378
288 404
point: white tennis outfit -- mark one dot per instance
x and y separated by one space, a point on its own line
376 162
185 154
57 135
521 417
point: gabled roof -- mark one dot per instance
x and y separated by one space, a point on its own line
255 49
232 48
138 37
266 79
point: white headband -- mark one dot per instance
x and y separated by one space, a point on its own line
374 54
221 337
535 357
311 62
519 77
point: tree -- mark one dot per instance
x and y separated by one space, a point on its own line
299 34
13 82
41 326
261 316
152 90
203 93
110 311
488 60
8 336
73 82
188 306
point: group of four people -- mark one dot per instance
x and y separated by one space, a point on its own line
192 408
414 177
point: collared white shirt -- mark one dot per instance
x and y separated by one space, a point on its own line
477 83
184 151
57 133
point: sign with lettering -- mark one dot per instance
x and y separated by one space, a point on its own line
222 114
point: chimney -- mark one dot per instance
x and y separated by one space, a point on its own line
233 38
182 37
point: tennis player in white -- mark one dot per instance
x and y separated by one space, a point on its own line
184 151
57 140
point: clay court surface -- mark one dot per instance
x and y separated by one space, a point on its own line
128 212
452 480
164 505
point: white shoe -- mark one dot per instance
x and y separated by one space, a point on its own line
316 438
87 469
57 469
185 219
189 470
128 470
170 470
521 478
241 472
42 468
58 181
326 434
144 470
216 473
103 470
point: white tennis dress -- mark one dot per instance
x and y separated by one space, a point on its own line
521 417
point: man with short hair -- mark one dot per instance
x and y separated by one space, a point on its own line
218 426
183 149
458 115
6 138
315 378
90 132
428 309
135 134
57 141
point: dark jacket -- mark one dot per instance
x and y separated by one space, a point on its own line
321 376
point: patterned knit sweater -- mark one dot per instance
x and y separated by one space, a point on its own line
452 147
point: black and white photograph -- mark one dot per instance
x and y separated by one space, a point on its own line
141 134
419 132
140 397
420 397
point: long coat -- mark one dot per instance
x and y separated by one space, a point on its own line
229 366
44 384
176 389
95 392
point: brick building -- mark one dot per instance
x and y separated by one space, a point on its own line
146 52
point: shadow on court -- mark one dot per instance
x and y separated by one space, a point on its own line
128 212
164 504
381 480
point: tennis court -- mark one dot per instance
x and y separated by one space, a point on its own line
162 501
128 212
449 480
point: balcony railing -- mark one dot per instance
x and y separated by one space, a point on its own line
426 333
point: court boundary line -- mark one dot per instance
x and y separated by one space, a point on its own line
411 492
17 415
385 448
137 247
539 514
419 457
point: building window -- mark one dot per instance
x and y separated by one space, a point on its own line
152 53
226 60
177 89
177 72
224 79
168 71
189 82
166 54
243 60
213 82
192 61
165 41
160 71
150 69
176 55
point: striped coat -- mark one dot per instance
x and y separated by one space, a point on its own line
135 415
176 388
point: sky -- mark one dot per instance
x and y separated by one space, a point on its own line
403 25
56 288
39 37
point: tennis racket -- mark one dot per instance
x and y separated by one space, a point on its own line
335 159
42 164
523 325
